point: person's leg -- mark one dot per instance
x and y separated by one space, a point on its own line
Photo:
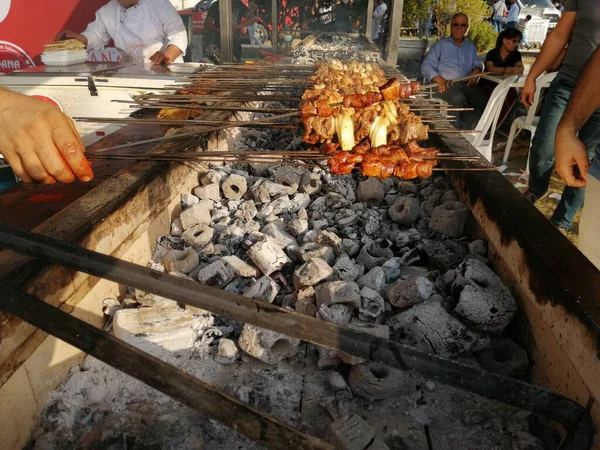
589 225
476 99
498 24
572 198
541 159
455 96
524 41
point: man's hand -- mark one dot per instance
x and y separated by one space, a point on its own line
64 35
472 82
572 162
442 83
39 142
528 92
167 57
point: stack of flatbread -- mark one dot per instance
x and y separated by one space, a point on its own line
69 44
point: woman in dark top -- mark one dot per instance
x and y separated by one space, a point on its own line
505 59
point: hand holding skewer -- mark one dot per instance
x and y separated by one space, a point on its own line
40 143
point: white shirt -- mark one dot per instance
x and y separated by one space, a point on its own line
513 13
140 31
377 16
499 8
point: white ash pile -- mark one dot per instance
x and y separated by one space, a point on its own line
390 255
339 46
385 257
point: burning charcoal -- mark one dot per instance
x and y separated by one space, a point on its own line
306 302
353 433
336 313
312 273
288 176
198 235
277 232
176 228
347 269
388 184
240 268
472 417
374 381
375 253
212 176
404 238
525 441
505 357
429 328
310 183
264 289
266 345
350 247
110 306
344 188
282 205
407 272
265 211
260 193
372 304
379 331
216 274
298 227
405 210
409 292
370 191
317 225
227 352
232 237
276 189
408 187
346 218
328 359
338 292
391 269
300 201
268 256
484 302
239 285
444 255
328 238
311 250
152 329
246 211
152 300
184 261
449 219
374 279
188 200
195 215
208 192
450 196
478 247
234 187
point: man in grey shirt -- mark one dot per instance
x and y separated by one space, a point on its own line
579 24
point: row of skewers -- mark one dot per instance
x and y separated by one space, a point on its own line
361 120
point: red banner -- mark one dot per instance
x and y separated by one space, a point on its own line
26 25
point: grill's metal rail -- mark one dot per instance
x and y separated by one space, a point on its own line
567 412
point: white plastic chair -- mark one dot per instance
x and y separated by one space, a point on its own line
530 121
489 119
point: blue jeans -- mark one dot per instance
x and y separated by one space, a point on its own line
497 23
510 25
541 160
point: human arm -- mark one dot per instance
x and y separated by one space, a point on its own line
210 23
553 45
250 20
379 12
67 34
429 68
39 142
175 34
96 35
475 67
572 162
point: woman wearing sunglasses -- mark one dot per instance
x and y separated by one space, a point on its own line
506 59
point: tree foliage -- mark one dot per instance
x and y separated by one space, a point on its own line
480 32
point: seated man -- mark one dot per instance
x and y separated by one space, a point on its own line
451 58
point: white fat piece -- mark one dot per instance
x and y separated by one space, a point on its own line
378 131
344 126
